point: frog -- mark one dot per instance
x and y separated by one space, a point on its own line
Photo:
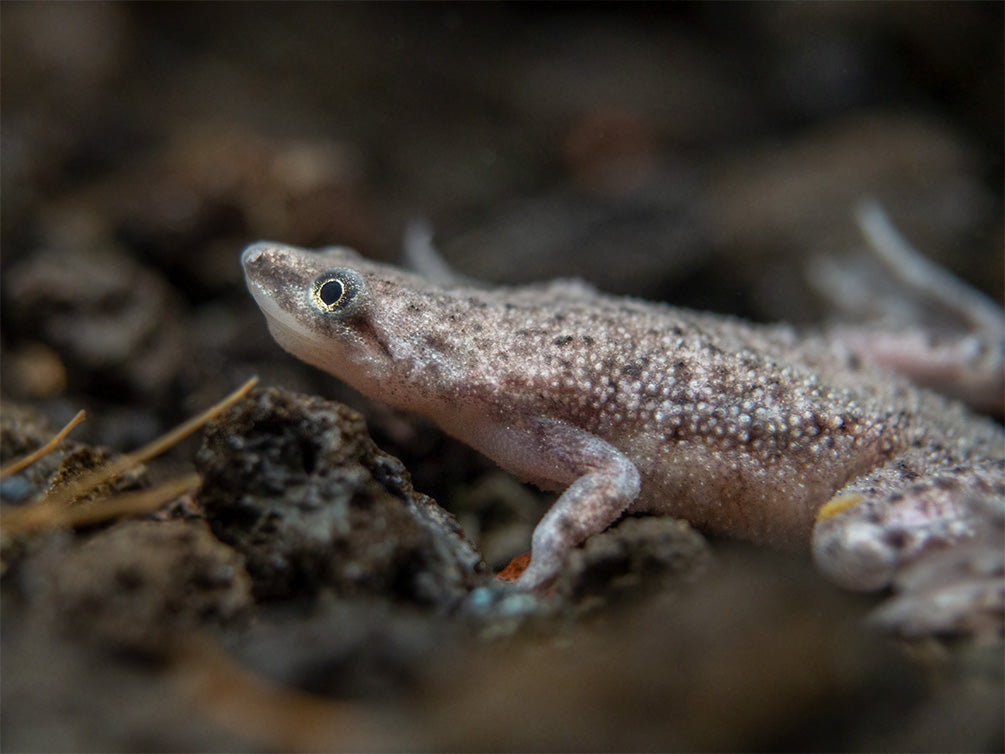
624 406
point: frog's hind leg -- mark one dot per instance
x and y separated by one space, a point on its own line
957 590
920 320
936 541
881 522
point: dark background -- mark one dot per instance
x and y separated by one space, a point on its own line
702 154
697 153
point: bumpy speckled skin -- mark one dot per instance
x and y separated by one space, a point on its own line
627 405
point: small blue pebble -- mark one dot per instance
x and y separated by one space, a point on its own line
17 489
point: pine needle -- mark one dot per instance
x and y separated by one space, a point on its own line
26 461
51 515
127 461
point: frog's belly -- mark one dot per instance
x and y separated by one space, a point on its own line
739 495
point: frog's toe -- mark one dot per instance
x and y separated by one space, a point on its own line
855 554
956 591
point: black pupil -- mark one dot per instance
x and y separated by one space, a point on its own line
331 292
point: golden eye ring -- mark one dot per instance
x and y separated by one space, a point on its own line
338 292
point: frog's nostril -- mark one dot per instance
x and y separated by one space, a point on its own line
251 254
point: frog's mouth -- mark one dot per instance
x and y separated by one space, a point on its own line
275 280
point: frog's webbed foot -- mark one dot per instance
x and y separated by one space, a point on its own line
937 545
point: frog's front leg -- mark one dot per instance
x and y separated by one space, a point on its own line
604 484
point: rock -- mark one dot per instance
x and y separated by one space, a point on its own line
112 321
298 487
138 584
647 553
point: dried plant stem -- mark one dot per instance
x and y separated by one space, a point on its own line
26 461
53 510
49 515
127 461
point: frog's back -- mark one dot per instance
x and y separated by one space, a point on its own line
729 423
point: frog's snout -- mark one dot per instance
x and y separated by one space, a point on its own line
253 253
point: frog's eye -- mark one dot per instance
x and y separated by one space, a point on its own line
339 292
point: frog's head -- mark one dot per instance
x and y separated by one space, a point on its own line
364 322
